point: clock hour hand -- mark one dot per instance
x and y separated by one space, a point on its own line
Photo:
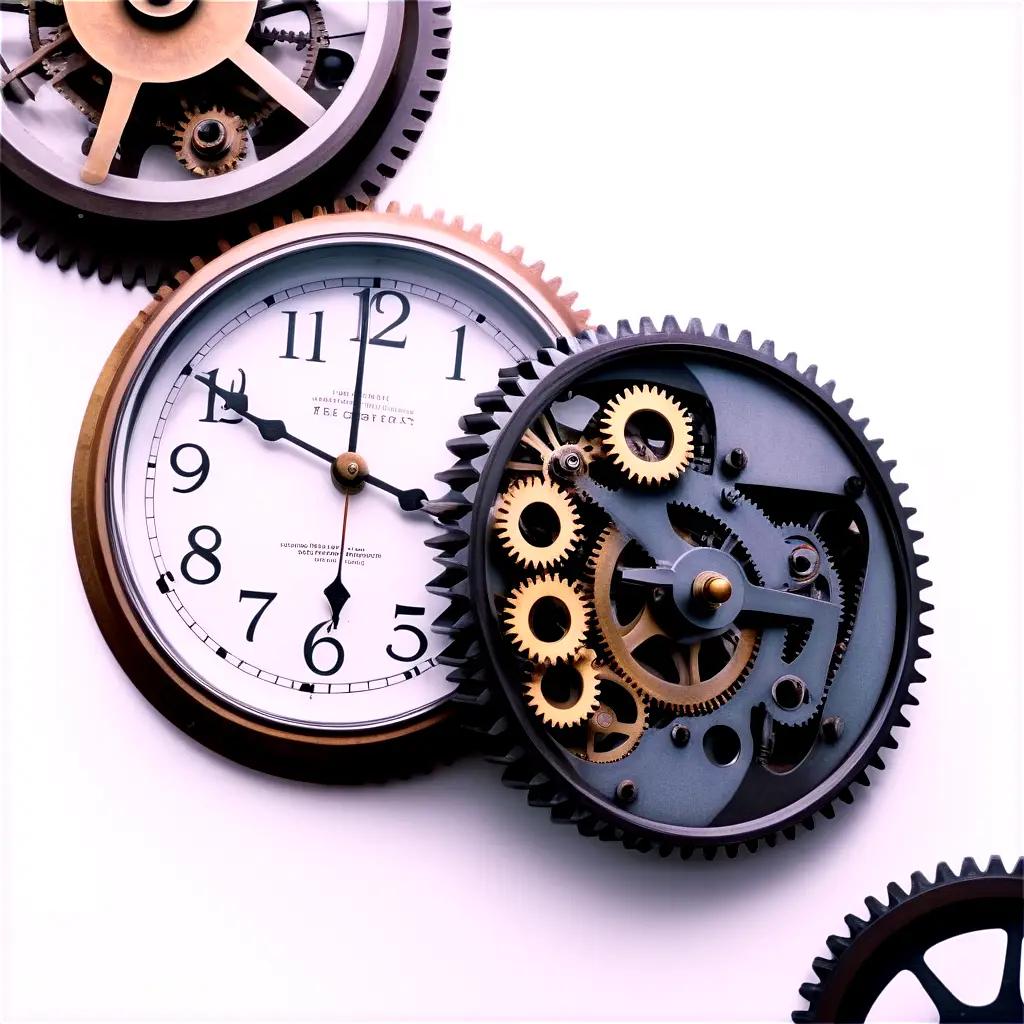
270 430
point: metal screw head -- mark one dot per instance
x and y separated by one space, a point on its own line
680 735
568 462
854 486
735 462
730 498
626 791
832 729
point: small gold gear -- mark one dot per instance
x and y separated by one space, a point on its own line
210 141
553 631
509 517
613 731
687 693
633 454
565 695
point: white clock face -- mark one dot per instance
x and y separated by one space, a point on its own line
269 586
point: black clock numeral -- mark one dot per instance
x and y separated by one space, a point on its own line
211 400
460 343
203 551
318 333
202 470
312 644
257 595
366 300
404 627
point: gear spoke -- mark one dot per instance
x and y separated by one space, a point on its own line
277 85
950 1008
116 112
642 630
1010 983
37 57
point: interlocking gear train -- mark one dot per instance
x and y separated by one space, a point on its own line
898 936
685 606
138 134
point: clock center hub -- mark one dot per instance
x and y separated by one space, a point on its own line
348 471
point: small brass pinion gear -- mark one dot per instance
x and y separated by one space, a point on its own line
210 141
821 695
547 618
645 461
566 694
543 544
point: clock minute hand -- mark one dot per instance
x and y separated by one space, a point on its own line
408 501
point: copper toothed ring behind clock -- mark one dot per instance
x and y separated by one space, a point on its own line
537 523
565 694
688 693
547 618
644 459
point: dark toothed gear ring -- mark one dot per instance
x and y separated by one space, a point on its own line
740 572
904 934
137 136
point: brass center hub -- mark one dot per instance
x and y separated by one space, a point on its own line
712 587
348 471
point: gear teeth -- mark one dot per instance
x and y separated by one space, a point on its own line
617 415
473 681
860 930
515 503
518 619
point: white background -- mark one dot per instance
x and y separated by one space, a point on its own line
842 177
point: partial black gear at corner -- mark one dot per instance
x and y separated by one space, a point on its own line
896 936
723 641
114 234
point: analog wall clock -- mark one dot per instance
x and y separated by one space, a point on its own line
251 476
193 117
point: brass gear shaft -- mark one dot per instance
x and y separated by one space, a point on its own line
689 693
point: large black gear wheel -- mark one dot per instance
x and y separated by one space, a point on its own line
782 537
62 220
897 935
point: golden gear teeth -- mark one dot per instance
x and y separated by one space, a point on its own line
564 606
661 467
510 523
582 691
